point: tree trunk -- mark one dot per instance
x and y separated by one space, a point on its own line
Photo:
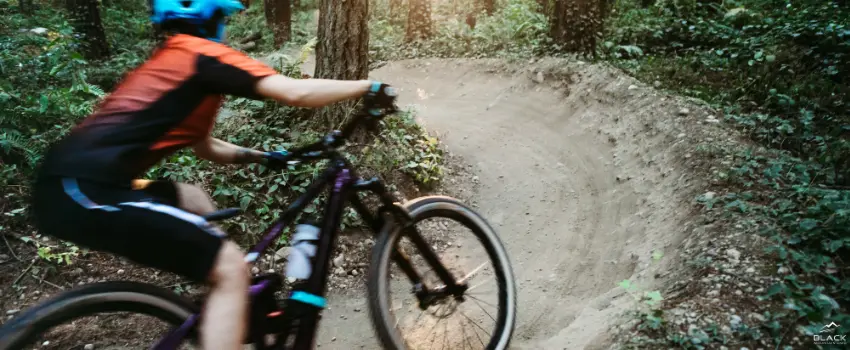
85 17
25 6
342 51
395 9
487 5
576 24
471 20
545 6
279 19
418 20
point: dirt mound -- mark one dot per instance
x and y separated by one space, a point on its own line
580 170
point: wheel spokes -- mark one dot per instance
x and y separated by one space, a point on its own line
476 326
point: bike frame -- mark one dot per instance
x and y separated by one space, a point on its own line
308 302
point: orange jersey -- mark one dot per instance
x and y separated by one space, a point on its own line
168 103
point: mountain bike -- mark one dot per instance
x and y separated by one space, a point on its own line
437 291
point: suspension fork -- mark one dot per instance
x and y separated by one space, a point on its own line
377 223
391 206
427 252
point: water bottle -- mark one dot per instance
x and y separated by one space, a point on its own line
299 265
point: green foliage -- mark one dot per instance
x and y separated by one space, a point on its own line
782 67
780 70
405 145
252 23
45 82
59 254
516 29
809 223
649 310
46 87
62 257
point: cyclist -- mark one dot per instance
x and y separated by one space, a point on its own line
86 190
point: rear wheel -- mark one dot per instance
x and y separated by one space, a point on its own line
97 316
482 318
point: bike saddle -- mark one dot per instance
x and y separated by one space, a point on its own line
223 214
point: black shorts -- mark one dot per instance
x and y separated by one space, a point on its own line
143 225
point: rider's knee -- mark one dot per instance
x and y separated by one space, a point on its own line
230 265
194 199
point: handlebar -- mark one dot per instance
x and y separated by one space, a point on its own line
368 115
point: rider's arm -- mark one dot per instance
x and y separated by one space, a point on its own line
310 92
229 72
223 152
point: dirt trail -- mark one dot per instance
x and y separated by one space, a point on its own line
578 170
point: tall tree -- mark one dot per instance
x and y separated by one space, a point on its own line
418 20
342 51
577 24
545 6
395 9
487 5
85 17
25 6
279 19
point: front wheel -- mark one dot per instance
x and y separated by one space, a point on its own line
482 317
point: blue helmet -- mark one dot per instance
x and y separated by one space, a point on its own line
197 12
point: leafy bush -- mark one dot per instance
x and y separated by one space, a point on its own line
46 85
45 82
790 60
781 71
809 225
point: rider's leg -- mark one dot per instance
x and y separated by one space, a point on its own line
188 197
193 199
225 314
144 225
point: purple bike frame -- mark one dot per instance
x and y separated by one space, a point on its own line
341 177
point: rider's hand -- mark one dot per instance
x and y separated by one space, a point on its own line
380 95
276 159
